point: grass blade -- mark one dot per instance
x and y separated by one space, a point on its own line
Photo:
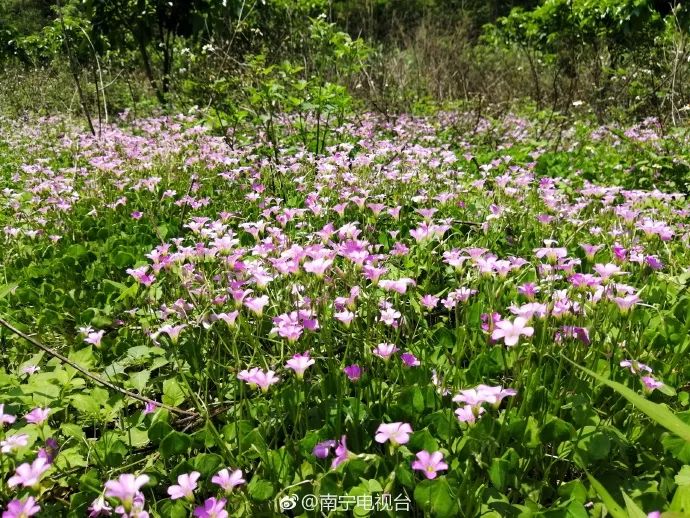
655 411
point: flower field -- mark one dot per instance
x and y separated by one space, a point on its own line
423 317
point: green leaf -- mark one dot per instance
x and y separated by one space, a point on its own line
655 411
436 497
207 463
175 443
85 404
260 490
159 430
173 394
633 510
611 505
139 380
122 259
76 251
499 472
423 440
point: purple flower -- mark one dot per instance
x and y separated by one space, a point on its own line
429 463
654 262
650 383
341 453
21 508
49 451
186 484
578 333
212 508
353 372
323 449
150 408
410 360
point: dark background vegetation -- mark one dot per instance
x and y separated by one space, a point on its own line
611 59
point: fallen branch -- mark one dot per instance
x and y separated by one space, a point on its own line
94 377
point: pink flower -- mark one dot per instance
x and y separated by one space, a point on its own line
31 369
627 302
385 350
396 433
6 418
650 383
606 271
529 310
341 453
186 484
345 316
399 286
511 331
95 338
227 480
173 332
99 507
37 415
429 301
635 366
483 394
255 377
212 508
590 250
429 463
21 508
528 290
551 254
468 413
256 304
141 276
318 266
13 442
28 475
125 488
288 326
390 316
299 363
150 407
228 318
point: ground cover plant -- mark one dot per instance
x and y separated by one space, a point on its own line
417 316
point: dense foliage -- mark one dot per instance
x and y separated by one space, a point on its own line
621 58
333 258
436 309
